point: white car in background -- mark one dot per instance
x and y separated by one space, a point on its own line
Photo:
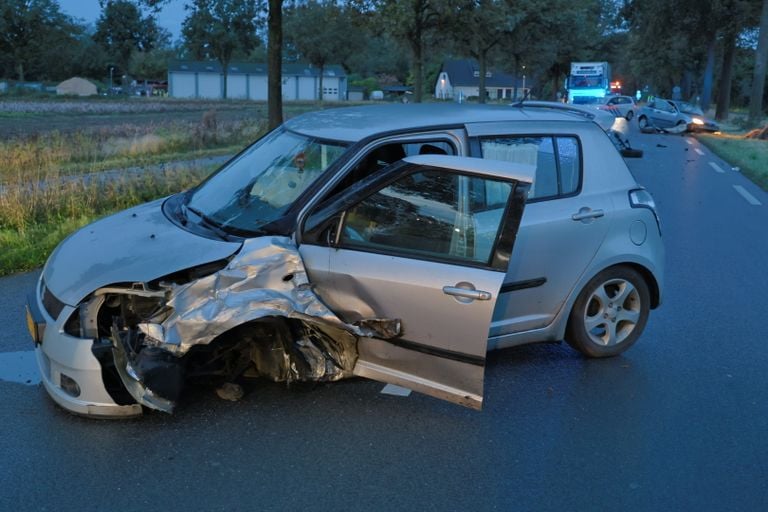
622 106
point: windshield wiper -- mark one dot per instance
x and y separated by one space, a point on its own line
207 222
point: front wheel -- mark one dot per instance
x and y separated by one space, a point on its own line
610 313
642 122
629 115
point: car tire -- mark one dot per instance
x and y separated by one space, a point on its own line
642 122
610 313
629 115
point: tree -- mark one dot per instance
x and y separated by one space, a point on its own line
479 26
668 40
758 76
221 29
275 63
413 21
152 64
737 15
27 28
319 32
552 42
122 30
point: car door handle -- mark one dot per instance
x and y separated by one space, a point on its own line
587 213
467 293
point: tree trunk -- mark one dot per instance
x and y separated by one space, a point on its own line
709 71
758 77
320 84
275 63
20 71
481 82
726 77
514 87
418 70
224 67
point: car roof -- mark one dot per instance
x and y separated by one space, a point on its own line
352 124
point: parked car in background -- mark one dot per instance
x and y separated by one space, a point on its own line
393 242
662 113
623 106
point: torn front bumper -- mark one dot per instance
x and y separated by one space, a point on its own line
69 371
265 281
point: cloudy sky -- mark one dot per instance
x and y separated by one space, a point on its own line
170 17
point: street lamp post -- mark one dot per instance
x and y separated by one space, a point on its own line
524 82
111 70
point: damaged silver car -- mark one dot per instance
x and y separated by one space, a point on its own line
398 243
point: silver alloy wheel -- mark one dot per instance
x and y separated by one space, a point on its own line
642 122
612 312
630 115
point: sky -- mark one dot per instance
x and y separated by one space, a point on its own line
170 17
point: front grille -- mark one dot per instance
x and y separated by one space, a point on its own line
51 304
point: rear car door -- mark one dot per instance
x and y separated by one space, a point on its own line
563 226
426 241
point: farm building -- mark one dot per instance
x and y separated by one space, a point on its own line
462 77
76 87
194 79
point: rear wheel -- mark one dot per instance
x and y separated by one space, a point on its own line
630 115
610 313
642 122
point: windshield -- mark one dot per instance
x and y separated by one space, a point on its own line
689 108
587 100
260 185
590 82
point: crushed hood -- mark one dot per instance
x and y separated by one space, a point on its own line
136 245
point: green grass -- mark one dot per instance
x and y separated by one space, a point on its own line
118 147
34 218
750 155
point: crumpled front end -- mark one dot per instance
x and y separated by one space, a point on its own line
257 316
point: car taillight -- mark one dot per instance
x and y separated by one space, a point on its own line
641 198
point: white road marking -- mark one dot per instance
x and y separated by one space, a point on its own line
746 195
689 142
19 367
699 151
391 389
716 167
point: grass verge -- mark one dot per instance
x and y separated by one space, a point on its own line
123 146
35 217
750 155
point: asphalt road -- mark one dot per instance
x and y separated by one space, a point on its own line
679 422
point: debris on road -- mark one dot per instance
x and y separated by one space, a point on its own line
230 391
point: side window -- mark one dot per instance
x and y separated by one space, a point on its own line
431 214
386 154
557 161
570 164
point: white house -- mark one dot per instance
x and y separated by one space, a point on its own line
195 79
462 77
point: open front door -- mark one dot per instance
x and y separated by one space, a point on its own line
426 241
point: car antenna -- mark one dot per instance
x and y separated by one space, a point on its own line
519 104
